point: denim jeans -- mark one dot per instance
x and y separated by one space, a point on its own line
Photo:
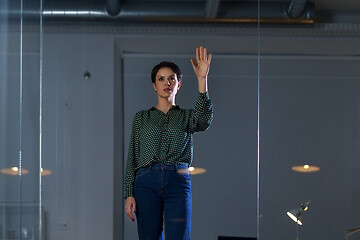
163 195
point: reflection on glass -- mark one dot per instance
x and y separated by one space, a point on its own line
309 110
306 168
196 170
45 172
15 171
20 207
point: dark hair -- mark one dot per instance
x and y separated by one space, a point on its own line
165 64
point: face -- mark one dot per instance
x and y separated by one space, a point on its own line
166 83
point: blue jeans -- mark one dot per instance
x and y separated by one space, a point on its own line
163 194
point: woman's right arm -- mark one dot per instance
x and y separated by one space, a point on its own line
130 167
130 206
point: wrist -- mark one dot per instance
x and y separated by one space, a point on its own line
202 79
203 88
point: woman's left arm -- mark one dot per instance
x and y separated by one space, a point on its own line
202 115
201 67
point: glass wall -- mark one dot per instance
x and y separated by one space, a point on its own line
20 177
283 145
97 76
309 128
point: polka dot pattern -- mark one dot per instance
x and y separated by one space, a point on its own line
165 138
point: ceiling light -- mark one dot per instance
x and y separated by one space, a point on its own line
45 172
305 168
15 171
196 170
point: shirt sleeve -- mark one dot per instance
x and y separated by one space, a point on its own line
132 159
202 114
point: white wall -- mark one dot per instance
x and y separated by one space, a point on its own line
78 135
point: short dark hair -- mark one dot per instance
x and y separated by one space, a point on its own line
166 64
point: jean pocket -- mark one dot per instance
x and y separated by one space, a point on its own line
142 171
184 174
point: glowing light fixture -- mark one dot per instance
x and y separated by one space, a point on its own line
305 168
297 215
196 170
45 172
14 171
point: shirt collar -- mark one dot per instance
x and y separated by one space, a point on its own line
172 108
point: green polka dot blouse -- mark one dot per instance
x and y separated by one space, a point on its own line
165 138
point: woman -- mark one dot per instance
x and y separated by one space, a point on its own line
157 181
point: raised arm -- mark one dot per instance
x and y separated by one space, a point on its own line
202 115
201 67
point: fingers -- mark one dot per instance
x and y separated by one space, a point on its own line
201 54
205 54
209 59
193 63
202 62
130 205
129 213
197 54
201 50
134 207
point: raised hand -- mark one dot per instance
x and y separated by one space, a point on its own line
201 67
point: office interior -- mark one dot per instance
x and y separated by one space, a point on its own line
280 161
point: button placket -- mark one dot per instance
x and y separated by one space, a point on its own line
164 142
166 136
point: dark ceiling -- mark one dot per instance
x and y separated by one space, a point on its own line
344 11
199 11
